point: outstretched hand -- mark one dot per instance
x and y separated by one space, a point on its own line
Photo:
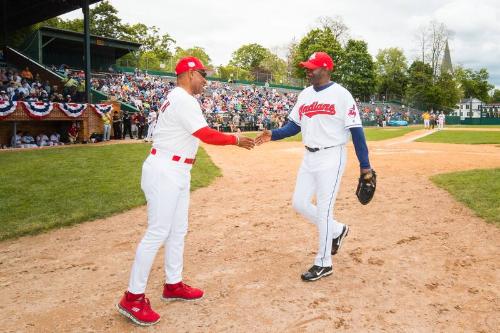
245 142
264 137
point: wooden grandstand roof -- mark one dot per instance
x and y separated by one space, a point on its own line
20 13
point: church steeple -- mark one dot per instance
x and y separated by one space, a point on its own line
446 66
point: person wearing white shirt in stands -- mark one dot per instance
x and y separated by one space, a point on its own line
42 140
28 141
16 141
55 139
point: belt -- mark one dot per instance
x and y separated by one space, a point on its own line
313 150
177 158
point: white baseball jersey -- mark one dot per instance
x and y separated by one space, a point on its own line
179 117
151 117
325 116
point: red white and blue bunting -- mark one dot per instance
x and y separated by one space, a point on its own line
101 109
37 110
72 110
6 108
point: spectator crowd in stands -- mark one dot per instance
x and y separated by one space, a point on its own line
225 106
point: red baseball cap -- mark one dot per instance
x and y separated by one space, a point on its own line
317 60
188 63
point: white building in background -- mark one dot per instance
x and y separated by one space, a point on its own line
463 109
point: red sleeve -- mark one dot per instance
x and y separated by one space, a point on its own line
211 136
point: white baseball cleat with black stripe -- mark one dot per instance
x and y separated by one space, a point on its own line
337 242
316 272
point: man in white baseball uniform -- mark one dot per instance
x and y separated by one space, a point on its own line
151 125
166 176
325 113
441 119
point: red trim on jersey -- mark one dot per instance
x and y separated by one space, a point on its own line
211 136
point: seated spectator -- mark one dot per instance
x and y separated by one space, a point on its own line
4 96
55 139
16 141
18 96
26 74
28 141
73 133
42 140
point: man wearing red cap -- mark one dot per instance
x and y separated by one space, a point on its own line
325 113
166 175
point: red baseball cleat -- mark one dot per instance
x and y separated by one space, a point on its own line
138 309
181 291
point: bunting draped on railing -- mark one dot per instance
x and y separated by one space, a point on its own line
72 110
37 110
101 109
6 108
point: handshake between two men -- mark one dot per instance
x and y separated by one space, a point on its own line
250 143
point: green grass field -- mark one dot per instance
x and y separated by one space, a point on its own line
378 134
478 189
473 126
49 188
371 133
463 137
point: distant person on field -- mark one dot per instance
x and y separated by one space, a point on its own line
441 120
427 120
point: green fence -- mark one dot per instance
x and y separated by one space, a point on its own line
455 120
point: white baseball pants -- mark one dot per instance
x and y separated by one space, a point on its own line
319 175
166 184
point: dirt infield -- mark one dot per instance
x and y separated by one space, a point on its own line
415 259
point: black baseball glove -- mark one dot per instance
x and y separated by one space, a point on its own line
367 184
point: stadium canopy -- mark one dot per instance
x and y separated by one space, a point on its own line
21 13
52 46
17 14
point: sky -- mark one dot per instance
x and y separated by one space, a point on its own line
222 26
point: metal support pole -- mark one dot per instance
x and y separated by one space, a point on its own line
86 43
4 27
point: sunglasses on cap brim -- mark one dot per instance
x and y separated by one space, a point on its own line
202 72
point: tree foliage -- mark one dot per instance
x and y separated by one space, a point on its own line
357 69
260 62
474 83
233 73
420 89
391 73
318 39
495 97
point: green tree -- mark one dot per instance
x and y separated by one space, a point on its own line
73 25
420 88
495 98
391 73
358 70
448 92
194 51
317 40
104 21
275 66
231 72
261 63
474 83
249 56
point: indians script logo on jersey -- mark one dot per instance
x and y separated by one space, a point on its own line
315 109
352 111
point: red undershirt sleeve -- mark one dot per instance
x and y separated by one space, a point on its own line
213 137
